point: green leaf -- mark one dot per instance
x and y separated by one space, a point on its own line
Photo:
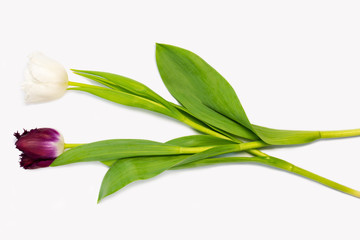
285 137
114 149
190 141
100 80
198 141
127 85
201 126
126 99
109 162
210 98
201 90
215 151
128 170
186 76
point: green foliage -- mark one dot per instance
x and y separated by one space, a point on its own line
210 98
208 103
114 149
127 99
128 170
127 85
201 90
198 141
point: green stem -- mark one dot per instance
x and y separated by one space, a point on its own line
211 132
273 162
279 163
76 84
240 147
257 153
340 133
202 128
71 145
252 145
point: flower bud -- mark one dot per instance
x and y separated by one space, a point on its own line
45 79
39 146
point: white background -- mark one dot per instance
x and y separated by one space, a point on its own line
294 65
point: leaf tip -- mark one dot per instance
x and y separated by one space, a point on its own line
101 196
159 44
162 46
77 71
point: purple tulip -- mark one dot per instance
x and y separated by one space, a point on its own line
39 146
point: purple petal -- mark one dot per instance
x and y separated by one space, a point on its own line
38 143
30 163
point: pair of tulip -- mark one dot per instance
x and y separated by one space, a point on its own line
45 80
210 106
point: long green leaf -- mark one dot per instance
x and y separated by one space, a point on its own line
115 149
195 84
285 137
198 141
185 74
201 126
126 99
215 151
127 85
209 97
128 170
190 141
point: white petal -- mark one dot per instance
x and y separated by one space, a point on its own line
37 58
35 93
60 145
45 79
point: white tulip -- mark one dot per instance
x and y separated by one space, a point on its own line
45 79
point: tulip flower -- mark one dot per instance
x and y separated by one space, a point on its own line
45 79
39 147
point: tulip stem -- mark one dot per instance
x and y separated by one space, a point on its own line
76 84
71 145
276 163
240 147
279 163
340 133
